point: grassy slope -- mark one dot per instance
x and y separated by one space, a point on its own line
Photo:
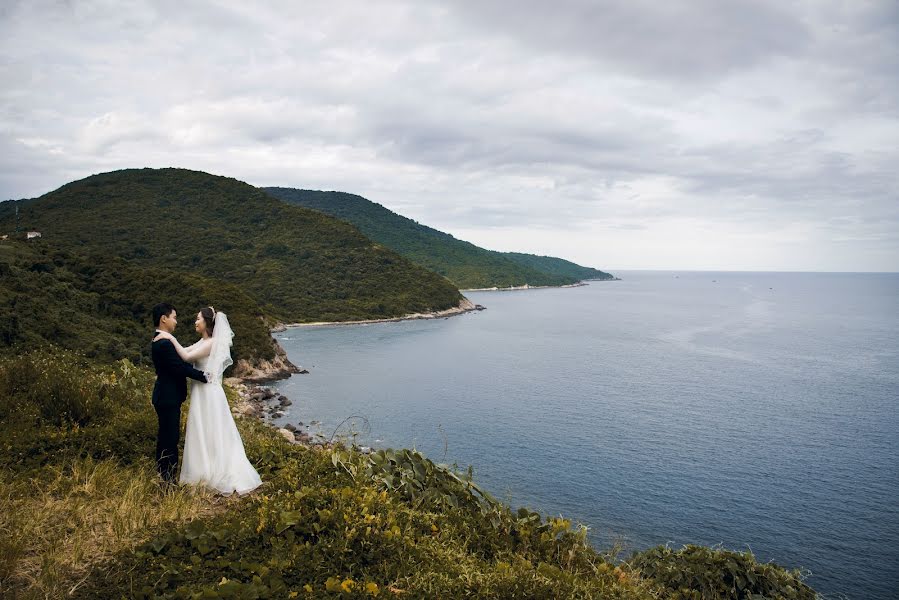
81 516
297 264
463 263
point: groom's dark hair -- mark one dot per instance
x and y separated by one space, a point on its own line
163 308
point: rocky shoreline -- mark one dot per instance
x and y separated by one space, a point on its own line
265 371
257 401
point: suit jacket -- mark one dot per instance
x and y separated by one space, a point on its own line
171 372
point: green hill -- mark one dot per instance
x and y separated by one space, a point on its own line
298 264
463 263
558 266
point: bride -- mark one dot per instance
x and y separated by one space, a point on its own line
213 451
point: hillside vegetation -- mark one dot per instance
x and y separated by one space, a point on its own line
559 266
463 263
101 305
297 264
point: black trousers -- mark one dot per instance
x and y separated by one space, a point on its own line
167 441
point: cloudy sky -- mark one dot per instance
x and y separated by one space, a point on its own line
700 134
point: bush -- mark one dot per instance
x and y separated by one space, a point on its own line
56 387
57 403
700 573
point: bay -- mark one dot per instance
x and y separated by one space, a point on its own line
748 410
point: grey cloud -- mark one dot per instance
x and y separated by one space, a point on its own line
492 114
690 40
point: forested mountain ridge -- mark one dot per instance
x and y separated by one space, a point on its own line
298 264
463 263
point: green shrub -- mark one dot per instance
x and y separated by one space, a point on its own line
700 573
59 387
100 305
58 404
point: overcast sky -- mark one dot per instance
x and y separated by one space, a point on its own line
736 135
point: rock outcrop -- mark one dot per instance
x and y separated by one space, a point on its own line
262 371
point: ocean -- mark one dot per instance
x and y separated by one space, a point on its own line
754 411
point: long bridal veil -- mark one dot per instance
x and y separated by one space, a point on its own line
220 354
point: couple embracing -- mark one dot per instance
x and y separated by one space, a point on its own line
213 451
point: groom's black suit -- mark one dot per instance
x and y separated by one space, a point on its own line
168 394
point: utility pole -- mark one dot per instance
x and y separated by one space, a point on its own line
17 218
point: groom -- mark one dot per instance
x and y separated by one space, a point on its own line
169 392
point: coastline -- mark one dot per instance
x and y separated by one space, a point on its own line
465 305
256 400
265 371
516 288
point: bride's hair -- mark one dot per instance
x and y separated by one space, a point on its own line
208 315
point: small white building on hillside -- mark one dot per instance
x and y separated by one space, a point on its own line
32 234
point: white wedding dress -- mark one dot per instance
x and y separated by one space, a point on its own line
214 455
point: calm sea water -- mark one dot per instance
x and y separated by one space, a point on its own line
751 410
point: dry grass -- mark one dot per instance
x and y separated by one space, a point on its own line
55 529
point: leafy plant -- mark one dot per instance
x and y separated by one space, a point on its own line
416 478
700 573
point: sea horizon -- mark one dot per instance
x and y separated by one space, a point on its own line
822 272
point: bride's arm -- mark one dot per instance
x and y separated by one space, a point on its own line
195 352
192 353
